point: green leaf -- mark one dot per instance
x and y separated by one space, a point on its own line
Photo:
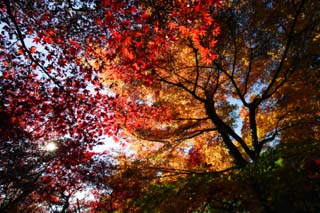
279 162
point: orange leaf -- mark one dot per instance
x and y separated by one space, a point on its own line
6 63
5 74
34 66
54 199
33 49
48 39
20 51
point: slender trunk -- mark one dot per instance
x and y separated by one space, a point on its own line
233 150
253 128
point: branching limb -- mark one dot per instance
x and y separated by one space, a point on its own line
269 92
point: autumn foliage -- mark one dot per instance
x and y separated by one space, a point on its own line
190 90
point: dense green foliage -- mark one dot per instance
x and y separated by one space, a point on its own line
285 179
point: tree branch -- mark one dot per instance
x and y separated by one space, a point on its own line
197 70
231 78
248 73
267 92
180 85
21 39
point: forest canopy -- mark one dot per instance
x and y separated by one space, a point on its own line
207 101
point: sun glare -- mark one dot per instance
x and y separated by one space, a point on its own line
51 147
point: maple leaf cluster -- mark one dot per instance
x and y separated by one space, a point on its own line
51 92
191 86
